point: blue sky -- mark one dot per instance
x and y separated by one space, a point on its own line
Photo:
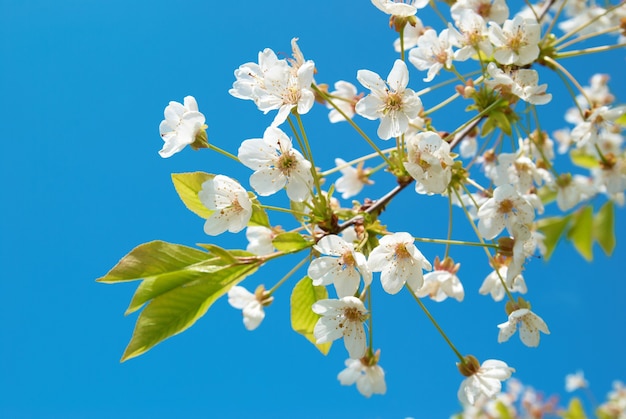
83 85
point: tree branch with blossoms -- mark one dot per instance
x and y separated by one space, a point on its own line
503 189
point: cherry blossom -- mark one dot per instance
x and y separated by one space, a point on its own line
442 282
575 381
342 318
251 306
276 164
522 83
343 266
399 262
429 162
400 8
229 201
345 98
433 52
489 10
369 379
352 180
529 327
506 208
260 240
181 126
390 101
516 42
485 380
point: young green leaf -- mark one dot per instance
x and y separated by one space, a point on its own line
259 217
575 410
188 185
290 242
581 232
604 228
153 258
303 319
582 159
174 311
552 228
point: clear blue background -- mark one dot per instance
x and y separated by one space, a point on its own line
83 85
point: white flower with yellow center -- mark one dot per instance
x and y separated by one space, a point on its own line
390 101
369 379
433 52
529 327
429 162
342 266
230 203
342 318
505 209
516 42
399 262
181 126
276 164
484 380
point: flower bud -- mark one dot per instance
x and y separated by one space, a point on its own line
469 367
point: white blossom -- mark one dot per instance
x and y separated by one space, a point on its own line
489 10
429 162
352 180
230 203
343 266
492 284
486 381
342 318
181 125
400 8
260 240
575 381
471 37
369 379
433 52
516 42
276 164
412 31
529 327
399 262
442 282
505 209
345 98
252 308
390 101
522 83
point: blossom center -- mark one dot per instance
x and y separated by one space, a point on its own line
291 95
517 40
402 252
352 314
347 260
286 163
506 206
393 102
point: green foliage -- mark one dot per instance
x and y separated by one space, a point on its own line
303 318
581 232
582 159
553 229
582 228
187 186
179 285
574 410
290 242
604 228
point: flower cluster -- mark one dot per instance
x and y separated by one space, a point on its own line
496 168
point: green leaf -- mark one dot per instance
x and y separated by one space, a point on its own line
221 253
259 217
176 309
153 258
553 229
604 228
582 159
188 185
581 232
290 242
503 411
621 120
303 318
575 410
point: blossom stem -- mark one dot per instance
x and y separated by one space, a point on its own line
434 322
402 43
444 83
587 23
456 242
316 176
300 143
223 152
552 21
580 52
587 36
288 275
279 209
442 104
571 78
351 122
449 224
355 161
480 238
